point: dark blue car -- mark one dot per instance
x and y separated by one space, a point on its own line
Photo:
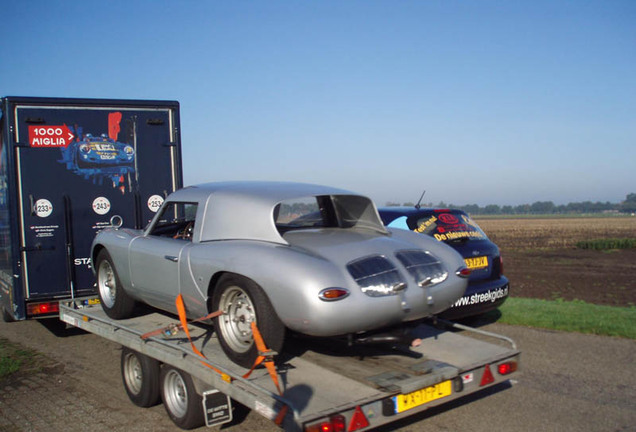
488 287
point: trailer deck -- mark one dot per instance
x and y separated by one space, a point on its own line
321 378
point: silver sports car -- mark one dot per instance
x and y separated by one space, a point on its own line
312 259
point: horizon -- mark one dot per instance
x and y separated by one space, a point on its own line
489 102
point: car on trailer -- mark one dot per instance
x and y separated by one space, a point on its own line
312 259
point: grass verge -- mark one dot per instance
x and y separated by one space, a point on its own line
573 316
14 358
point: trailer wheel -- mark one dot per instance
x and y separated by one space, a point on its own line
183 404
242 302
140 374
115 302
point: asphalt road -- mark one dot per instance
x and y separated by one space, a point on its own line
569 382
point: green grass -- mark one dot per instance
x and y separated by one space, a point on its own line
607 244
572 316
13 358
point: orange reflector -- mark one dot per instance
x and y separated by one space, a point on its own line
43 308
330 294
358 421
506 368
487 377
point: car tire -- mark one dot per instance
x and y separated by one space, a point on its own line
183 404
115 302
140 375
243 301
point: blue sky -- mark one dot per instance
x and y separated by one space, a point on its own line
486 102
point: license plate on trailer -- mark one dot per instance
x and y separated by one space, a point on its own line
477 262
423 396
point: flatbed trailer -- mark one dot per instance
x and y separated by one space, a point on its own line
326 385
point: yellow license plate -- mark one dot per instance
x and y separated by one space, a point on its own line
420 397
93 301
477 262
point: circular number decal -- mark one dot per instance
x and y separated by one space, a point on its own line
43 208
154 202
101 205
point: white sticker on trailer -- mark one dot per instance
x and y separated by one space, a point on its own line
467 378
70 320
265 410
43 208
154 202
101 205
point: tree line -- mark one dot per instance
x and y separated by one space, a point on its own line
539 207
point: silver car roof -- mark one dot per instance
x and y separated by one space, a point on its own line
244 210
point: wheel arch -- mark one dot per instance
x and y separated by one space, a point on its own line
214 281
94 254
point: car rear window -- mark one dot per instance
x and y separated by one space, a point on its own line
446 225
335 211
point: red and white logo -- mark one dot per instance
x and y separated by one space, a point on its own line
50 136
448 219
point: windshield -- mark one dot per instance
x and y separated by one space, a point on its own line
337 211
446 225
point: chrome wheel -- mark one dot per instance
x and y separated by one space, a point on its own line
106 283
235 323
175 394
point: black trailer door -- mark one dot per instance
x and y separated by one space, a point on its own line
77 167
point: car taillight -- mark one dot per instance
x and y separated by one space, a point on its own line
42 308
500 265
336 423
507 368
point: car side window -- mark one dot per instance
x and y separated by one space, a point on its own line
176 221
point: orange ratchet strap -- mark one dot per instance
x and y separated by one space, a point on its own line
264 354
173 328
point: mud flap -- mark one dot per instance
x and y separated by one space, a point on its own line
217 408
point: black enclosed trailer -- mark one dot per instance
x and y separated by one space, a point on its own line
66 167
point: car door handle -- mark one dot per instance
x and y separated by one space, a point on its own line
171 258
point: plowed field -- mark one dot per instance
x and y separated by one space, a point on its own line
542 261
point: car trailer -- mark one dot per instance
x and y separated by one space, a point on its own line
325 385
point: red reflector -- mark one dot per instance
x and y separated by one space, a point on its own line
506 368
487 377
358 421
464 272
43 308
